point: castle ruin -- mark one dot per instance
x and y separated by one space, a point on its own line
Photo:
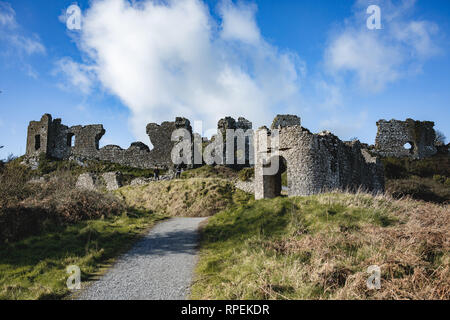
61 142
414 139
314 163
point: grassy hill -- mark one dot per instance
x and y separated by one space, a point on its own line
426 179
195 197
316 247
320 247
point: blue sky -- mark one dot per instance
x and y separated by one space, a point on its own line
149 62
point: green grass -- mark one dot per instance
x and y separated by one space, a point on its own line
35 268
194 197
221 172
314 247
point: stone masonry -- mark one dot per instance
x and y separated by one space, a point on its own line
58 141
113 180
314 162
242 131
408 138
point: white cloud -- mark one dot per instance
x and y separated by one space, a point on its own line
238 22
175 59
329 95
80 76
27 45
380 57
7 15
15 43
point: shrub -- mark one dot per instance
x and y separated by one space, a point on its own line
247 174
447 182
13 186
28 208
396 168
418 188
439 178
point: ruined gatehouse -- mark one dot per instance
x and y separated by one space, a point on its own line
314 163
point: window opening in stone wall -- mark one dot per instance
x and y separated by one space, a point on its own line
71 140
37 142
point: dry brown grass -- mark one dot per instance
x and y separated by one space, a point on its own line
28 208
327 245
414 255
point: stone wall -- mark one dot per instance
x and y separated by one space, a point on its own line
246 186
58 141
314 162
285 120
108 180
242 129
394 136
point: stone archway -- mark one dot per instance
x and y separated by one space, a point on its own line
272 183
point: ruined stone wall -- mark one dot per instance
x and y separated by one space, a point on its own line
242 131
87 140
285 120
38 136
393 135
315 163
53 139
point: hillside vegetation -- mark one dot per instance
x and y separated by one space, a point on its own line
195 197
426 179
52 167
30 208
47 225
221 172
320 247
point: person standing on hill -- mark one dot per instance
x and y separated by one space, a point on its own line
156 174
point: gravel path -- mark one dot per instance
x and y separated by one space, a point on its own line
159 267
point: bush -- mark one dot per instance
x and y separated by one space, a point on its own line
447 182
53 166
247 174
13 186
439 178
27 208
418 188
394 168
